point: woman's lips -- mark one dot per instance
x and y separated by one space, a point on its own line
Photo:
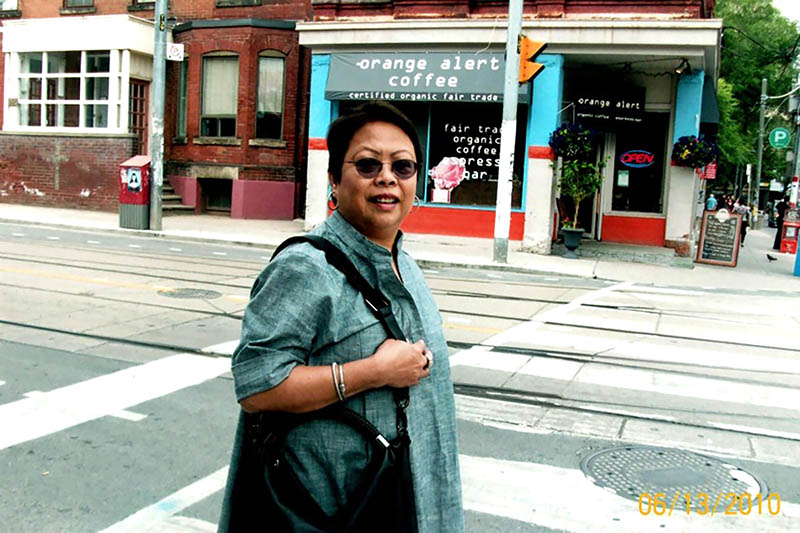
385 203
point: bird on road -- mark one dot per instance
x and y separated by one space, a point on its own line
771 258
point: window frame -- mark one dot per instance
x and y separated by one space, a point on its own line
203 115
180 115
277 55
54 105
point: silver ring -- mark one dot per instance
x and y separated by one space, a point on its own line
430 360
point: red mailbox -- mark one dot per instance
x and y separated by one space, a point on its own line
134 193
789 237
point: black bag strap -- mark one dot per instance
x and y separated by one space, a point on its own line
380 306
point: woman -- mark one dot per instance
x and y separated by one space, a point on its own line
741 208
304 315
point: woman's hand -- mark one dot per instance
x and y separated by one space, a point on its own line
401 364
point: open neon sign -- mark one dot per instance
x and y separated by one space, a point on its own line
637 158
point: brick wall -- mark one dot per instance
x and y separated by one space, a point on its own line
255 162
401 9
182 9
63 171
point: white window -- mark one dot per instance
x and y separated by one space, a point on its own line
8 5
269 108
220 95
68 91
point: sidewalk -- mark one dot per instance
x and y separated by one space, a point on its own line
754 271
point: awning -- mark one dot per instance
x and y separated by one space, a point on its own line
710 110
458 76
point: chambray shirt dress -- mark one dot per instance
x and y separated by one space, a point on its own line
303 311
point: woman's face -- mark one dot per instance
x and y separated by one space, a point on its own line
376 206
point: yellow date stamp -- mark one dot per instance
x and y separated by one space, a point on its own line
703 503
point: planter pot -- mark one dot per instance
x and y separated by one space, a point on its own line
572 239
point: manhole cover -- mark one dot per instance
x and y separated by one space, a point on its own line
631 471
187 293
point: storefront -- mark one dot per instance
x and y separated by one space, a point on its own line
619 76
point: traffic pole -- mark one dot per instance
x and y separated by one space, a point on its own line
757 180
157 114
508 134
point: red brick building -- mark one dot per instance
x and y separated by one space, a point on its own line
76 102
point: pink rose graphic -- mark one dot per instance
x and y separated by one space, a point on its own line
448 173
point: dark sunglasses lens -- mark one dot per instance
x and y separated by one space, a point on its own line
368 167
404 168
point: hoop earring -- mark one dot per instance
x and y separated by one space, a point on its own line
333 202
417 203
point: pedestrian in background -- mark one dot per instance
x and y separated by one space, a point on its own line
305 320
781 208
711 203
741 208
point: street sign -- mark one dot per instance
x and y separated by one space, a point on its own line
174 52
528 50
779 138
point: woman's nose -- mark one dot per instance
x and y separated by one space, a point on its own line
386 176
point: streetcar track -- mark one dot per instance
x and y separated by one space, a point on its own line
625 362
93 296
440 292
596 407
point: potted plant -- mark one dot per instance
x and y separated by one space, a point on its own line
581 175
694 152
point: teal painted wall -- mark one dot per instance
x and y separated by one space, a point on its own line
688 104
548 90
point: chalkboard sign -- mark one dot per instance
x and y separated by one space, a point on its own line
719 238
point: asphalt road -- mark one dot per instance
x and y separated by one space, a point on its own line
113 417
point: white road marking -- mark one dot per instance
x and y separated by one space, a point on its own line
525 330
53 238
565 499
93 242
17 234
2 382
458 319
220 253
551 279
265 257
175 249
53 411
714 389
161 511
134 246
495 276
128 415
223 348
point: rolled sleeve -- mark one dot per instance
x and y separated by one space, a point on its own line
289 306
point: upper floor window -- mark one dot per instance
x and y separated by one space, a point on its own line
78 3
220 95
73 89
269 106
8 5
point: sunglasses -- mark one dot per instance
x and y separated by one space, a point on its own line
369 167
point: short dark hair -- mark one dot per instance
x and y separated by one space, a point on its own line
342 130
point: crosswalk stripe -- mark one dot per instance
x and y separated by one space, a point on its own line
53 411
565 499
148 518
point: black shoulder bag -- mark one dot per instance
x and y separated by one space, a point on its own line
384 498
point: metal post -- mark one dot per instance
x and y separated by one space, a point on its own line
796 163
757 179
157 124
508 134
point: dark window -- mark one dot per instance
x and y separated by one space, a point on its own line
139 110
220 96
639 166
180 130
78 3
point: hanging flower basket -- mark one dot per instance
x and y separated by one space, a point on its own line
694 152
572 141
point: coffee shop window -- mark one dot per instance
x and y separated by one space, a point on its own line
269 105
220 95
639 165
464 155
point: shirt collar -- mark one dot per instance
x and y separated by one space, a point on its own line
357 241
